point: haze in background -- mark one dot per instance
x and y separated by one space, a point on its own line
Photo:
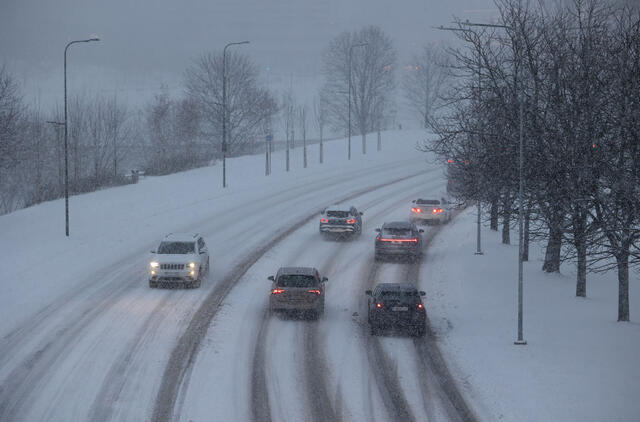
146 45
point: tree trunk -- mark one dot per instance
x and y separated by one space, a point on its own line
580 240
321 149
493 225
622 260
554 247
581 282
506 219
364 143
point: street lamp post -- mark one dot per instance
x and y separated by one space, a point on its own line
66 155
56 125
224 110
349 130
478 205
520 340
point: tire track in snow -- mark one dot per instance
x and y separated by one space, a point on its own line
184 353
321 406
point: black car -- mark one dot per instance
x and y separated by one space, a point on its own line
341 221
399 238
396 305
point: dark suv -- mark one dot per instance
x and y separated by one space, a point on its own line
340 220
396 305
297 289
399 238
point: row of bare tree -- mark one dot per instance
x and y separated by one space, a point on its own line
100 136
575 70
107 139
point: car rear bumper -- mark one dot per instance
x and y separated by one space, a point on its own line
334 228
427 217
397 250
298 305
401 319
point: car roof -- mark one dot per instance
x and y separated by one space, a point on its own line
181 237
396 287
336 207
397 225
297 271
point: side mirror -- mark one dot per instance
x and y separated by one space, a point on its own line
203 252
413 202
361 213
422 293
324 279
368 292
271 278
421 230
153 251
378 230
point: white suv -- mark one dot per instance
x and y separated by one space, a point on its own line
180 258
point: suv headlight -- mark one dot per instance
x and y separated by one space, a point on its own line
191 264
154 264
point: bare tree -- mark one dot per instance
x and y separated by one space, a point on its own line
247 105
320 118
372 78
287 109
302 112
424 80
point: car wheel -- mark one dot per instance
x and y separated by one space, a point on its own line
374 330
418 331
377 257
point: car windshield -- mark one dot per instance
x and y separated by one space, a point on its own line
338 214
396 232
428 202
296 280
176 248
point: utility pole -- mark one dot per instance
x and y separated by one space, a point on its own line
66 154
520 340
224 110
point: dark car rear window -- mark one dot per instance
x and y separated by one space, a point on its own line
396 232
176 247
295 280
338 214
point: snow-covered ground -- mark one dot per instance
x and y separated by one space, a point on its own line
82 336
579 364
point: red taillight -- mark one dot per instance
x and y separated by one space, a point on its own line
324 220
379 305
437 210
415 239
277 291
420 306
316 291
415 210
351 221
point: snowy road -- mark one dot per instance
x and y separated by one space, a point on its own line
113 349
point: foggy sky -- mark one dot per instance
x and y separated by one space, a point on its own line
145 44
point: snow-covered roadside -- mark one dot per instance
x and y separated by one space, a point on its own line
579 363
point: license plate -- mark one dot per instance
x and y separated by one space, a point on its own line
400 308
173 273
395 242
